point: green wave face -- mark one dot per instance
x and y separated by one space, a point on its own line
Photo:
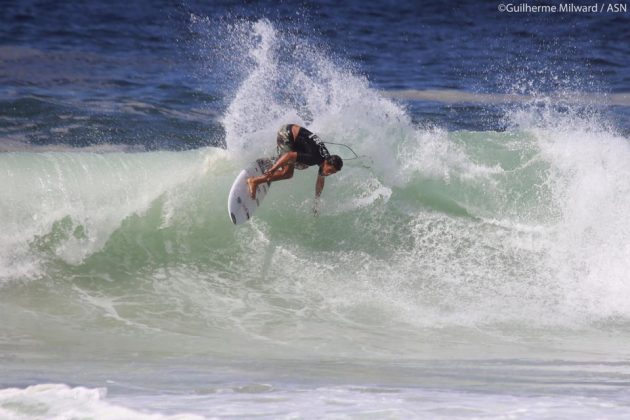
441 233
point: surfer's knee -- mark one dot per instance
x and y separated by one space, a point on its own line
286 172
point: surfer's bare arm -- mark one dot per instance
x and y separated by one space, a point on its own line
285 159
319 185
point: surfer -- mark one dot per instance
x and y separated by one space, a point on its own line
298 148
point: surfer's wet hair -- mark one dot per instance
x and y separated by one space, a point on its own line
335 161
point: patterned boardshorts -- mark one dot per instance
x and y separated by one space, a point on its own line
283 140
284 144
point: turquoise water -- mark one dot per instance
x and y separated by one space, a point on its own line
488 269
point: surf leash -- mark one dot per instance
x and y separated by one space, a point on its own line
356 157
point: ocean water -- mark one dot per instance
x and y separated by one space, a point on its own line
473 262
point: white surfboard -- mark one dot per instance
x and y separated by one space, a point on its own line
240 205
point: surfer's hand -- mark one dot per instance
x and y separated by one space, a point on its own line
316 207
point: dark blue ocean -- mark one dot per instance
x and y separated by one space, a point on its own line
472 262
143 74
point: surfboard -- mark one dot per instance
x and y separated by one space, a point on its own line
240 205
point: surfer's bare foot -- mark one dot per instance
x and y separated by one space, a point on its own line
252 188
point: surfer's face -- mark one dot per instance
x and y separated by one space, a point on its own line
328 169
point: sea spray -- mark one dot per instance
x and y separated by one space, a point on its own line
589 176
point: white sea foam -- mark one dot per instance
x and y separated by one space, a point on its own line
590 179
59 401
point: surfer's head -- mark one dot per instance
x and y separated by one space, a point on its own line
331 165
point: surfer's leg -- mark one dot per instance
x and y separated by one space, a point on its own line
284 172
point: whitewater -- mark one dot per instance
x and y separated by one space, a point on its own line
450 273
